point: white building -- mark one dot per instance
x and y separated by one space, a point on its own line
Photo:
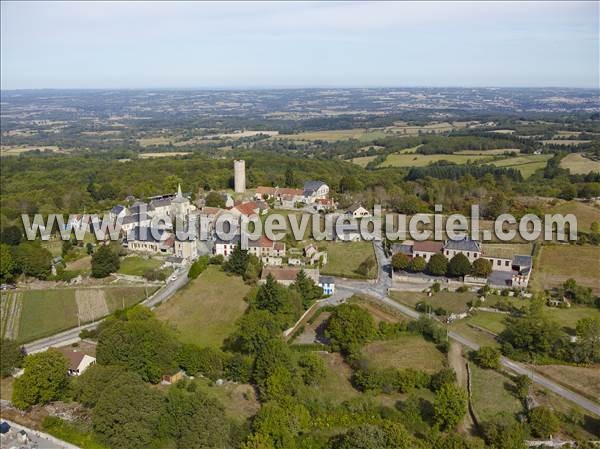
314 190
78 361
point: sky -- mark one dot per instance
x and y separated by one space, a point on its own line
298 44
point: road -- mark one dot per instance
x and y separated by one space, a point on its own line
379 289
72 335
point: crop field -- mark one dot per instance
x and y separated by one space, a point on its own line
157 140
578 164
564 142
137 266
489 152
557 263
31 314
205 311
526 164
13 150
166 154
422 160
363 161
409 351
344 258
492 394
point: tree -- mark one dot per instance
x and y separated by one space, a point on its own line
11 235
400 261
290 180
544 423
450 406
417 264
308 290
198 267
270 295
128 415
89 248
522 385
350 326
255 329
171 183
441 378
311 368
33 259
459 266
482 268
104 262
44 379
237 262
588 335
7 264
214 199
89 386
487 357
258 441
350 184
366 266
437 265
11 356
368 436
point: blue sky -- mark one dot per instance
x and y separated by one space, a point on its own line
294 44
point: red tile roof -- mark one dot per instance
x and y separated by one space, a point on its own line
428 246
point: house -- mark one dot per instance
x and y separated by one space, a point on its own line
463 245
180 205
357 211
522 266
117 211
78 361
151 240
268 251
426 249
313 190
265 193
287 275
327 283
173 378
313 255
250 208
404 248
324 205
225 247
186 249
160 207
227 200
130 222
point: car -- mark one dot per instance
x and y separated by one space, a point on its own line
4 287
173 277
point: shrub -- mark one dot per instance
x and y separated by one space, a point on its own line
400 261
487 357
198 267
543 422
417 265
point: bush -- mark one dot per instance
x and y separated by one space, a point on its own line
400 261
442 377
417 265
198 267
543 422
155 275
487 357
104 262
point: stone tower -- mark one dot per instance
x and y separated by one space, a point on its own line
239 173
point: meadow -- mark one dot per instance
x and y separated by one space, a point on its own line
137 266
526 164
205 311
422 160
492 394
361 134
578 164
344 258
586 213
408 351
557 263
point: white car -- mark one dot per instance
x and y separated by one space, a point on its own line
173 277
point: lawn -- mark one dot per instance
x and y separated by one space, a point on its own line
137 266
491 321
408 351
568 318
344 258
557 263
421 160
526 164
205 311
480 337
451 301
585 381
492 393
578 164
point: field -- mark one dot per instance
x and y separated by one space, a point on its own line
151 141
564 142
167 154
586 214
137 266
363 161
578 164
336 134
239 400
409 351
557 263
492 321
11 150
421 160
489 152
35 314
205 311
507 250
527 165
492 394
344 258
452 302
586 381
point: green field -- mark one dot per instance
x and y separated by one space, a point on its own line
493 322
586 213
421 160
343 258
409 351
451 301
363 160
46 312
361 134
137 266
205 310
578 164
492 394
526 164
557 263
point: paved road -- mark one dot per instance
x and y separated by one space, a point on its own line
72 335
378 291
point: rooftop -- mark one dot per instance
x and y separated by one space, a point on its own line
465 243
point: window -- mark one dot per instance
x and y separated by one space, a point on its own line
498 262
507 263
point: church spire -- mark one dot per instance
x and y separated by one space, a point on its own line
179 194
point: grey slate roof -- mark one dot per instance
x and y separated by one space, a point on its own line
401 248
311 187
463 244
116 210
146 234
326 280
522 261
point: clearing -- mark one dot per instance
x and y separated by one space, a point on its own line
205 311
526 164
408 351
492 393
422 160
137 266
578 164
557 263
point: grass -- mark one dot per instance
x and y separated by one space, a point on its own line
568 318
493 322
49 311
205 311
489 152
480 337
557 263
361 134
451 301
492 394
239 400
585 381
6 388
70 433
344 258
526 164
363 161
507 250
137 266
564 142
421 160
166 154
409 351
586 214
578 164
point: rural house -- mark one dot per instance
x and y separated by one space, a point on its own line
78 361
